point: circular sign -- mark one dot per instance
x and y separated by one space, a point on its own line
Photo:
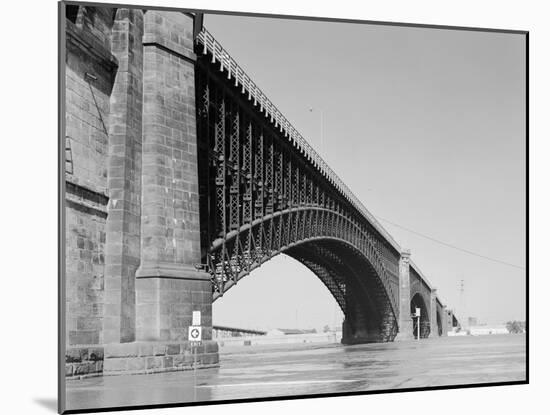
195 333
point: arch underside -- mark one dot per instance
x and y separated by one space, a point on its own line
344 261
354 284
418 301
455 321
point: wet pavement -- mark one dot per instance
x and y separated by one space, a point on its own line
303 369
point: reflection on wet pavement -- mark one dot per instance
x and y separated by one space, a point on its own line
303 369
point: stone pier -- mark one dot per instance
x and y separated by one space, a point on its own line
444 328
434 330
405 321
136 71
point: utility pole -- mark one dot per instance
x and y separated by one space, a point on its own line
334 320
461 301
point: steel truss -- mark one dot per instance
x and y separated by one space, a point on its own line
262 195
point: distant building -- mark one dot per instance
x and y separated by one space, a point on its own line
219 332
485 330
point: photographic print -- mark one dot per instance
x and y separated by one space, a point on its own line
268 207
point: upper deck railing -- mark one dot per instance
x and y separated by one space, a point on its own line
234 71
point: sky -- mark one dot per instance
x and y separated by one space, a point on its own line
425 126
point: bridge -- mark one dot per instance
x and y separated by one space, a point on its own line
182 177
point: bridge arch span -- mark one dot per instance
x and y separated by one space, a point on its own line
345 262
263 190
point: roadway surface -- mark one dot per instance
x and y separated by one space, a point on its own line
309 369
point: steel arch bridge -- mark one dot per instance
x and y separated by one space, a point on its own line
181 177
263 190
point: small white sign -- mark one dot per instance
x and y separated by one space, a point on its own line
196 318
417 312
195 333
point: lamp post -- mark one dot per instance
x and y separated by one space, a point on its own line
418 323
321 112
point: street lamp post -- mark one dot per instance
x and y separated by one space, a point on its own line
321 112
322 153
418 323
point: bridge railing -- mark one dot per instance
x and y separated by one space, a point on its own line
234 71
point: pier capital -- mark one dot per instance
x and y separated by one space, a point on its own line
405 254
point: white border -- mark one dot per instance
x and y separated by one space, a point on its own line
29 203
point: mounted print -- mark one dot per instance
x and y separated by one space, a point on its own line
263 207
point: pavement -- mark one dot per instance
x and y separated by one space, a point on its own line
309 369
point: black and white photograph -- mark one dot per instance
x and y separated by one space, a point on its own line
259 207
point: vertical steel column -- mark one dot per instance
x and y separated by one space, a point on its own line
247 193
247 170
279 178
269 188
259 190
295 224
259 177
234 171
309 199
291 198
269 176
219 151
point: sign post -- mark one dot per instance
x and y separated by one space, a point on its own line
418 323
195 339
